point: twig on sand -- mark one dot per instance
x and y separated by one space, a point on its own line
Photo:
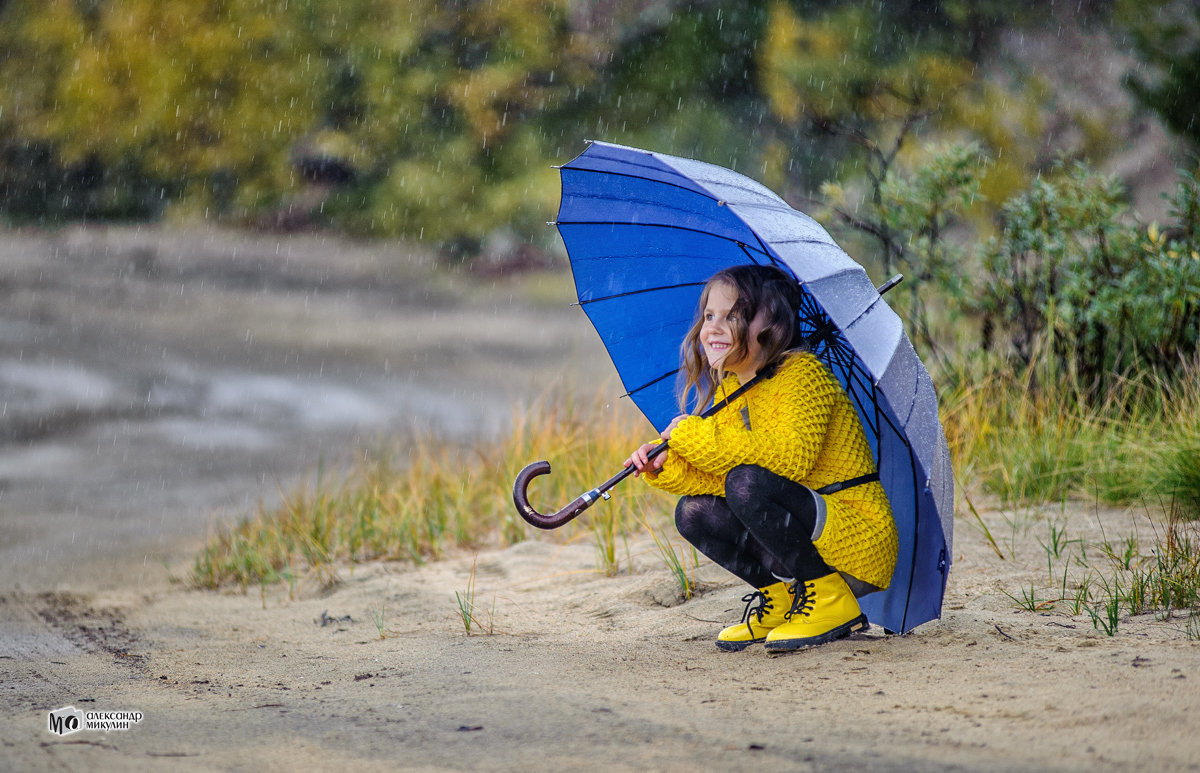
702 620
1002 633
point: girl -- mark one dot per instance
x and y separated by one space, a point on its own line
779 487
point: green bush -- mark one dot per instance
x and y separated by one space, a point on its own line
1073 272
1082 382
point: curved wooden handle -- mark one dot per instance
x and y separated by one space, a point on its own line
521 499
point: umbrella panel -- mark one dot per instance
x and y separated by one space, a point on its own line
605 199
625 275
616 260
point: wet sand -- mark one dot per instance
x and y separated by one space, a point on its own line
150 379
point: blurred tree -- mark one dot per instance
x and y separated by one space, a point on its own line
454 109
189 94
441 119
855 80
1166 37
851 85
681 79
216 105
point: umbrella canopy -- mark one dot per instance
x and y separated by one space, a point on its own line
645 231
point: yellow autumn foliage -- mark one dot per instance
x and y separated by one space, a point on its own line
190 91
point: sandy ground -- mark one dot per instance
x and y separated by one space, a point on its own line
568 669
565 669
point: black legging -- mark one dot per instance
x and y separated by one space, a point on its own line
761 530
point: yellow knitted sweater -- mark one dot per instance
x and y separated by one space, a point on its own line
803 427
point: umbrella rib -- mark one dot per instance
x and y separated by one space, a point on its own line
638 292
763 249
702 193
738 242
632 176
669 287
669 373
912 567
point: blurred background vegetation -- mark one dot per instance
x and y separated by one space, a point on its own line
441 120
1031 167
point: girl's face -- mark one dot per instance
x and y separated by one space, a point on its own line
722 329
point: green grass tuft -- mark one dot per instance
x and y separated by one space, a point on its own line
1028 443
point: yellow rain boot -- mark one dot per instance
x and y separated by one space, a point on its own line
824 609
765 608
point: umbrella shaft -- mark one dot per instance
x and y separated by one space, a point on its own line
604 487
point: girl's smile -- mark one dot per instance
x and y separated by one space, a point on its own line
720 333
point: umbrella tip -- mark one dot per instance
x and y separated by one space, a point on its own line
889 284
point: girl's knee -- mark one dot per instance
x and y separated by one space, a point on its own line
688 517
699 518
742 484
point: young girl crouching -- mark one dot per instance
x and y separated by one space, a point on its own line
779 487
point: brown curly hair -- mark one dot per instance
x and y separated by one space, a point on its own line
766 289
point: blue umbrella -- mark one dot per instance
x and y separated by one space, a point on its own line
645 231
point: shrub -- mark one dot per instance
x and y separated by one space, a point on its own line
1072 271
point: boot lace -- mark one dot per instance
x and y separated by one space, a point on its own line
803 600
763 605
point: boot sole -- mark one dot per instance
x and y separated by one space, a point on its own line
788 645
737 646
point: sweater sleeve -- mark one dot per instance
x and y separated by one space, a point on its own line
790 415
677 476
